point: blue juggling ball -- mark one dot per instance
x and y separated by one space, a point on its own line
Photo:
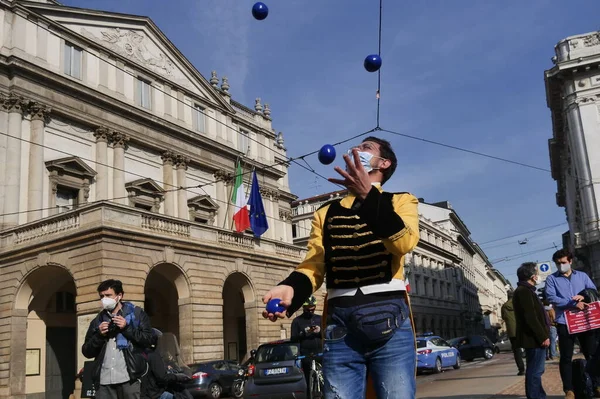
273 306
327 154
260 11
373 63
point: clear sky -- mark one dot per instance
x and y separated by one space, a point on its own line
465 73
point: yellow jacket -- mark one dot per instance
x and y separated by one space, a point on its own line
399 244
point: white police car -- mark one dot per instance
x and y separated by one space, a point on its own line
434 353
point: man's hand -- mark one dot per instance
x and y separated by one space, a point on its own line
283 292
356 178
581 305
578 298
120 322
103 327
546 343
316 329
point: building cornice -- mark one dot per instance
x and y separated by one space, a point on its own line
38 8
86 97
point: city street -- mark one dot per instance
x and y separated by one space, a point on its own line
492 379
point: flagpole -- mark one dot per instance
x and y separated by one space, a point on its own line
229 194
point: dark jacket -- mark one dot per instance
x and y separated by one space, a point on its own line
310 343
532 323
508 315
140 338
157 380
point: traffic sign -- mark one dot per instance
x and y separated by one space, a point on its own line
544 270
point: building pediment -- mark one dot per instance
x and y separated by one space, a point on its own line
138 40
71 166
203 202
145 186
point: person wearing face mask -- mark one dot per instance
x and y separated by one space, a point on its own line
357 246
306 329
562 291
116 339
533 329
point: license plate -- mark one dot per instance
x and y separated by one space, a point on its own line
281 370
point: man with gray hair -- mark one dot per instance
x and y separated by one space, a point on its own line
533 328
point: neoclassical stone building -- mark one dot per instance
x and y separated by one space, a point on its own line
116 161
573 97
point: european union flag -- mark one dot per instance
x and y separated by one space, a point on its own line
258 218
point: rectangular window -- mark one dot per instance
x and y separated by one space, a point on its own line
66 198
199 118
244 142
72 61
294 230
144 93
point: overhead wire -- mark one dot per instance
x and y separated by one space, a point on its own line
377 128
379 53
289 159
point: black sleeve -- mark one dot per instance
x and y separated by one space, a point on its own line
302 290
377 210
94 341
140 336
296 330
159 370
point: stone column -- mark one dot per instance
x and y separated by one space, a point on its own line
119 142
222 178
35 200
168 160
15 107
102 136
181 163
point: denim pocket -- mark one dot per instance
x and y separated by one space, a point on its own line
376 323
335 330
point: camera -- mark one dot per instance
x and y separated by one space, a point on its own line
113 329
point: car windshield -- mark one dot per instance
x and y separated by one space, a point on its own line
421 343
277 353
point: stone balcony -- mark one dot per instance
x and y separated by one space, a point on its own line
107 215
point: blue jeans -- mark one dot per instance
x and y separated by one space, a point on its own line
348 357
536 362
166 395
553 338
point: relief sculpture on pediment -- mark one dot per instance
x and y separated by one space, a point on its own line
137 47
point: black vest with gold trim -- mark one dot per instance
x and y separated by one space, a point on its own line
354 256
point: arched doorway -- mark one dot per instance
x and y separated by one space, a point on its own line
168 306
45 305
239 317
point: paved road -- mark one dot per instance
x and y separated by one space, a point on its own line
480 379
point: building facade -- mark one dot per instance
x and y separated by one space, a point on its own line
117 160
572 94
454 288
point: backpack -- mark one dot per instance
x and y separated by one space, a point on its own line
582 382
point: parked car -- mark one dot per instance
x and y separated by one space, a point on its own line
503 345
277 373
474 346
212 379
434 353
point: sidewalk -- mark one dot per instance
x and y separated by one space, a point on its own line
550 380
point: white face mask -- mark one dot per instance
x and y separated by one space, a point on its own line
564 267
365 159
109 303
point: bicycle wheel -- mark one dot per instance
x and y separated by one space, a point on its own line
314 385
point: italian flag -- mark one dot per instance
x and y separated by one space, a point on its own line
240 215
